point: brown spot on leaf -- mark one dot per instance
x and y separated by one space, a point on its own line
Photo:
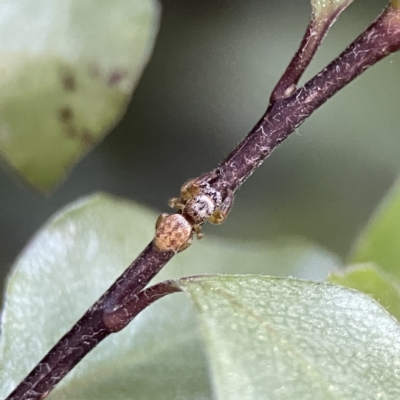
65 114
69 82
115 77
87 137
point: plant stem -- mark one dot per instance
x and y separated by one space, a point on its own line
117 319
95 325
124 299
285 115
313 37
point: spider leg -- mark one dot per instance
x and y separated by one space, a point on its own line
220 214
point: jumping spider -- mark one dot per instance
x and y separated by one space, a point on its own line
198 203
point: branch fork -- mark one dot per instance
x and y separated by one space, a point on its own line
288 108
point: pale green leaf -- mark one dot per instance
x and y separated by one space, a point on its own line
67 71
77 256
380 241
286 339
371 280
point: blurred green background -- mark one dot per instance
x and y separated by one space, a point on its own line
207 83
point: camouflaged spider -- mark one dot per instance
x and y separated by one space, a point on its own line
198 202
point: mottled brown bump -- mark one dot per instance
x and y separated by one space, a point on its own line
65 114
69 82
172 233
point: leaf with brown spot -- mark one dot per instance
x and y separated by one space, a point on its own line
57 95
88 138
69 83
115 77
65 114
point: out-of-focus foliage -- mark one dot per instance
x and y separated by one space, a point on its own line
378 245
67 71
380 241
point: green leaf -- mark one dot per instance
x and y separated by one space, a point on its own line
379 242
67 72
275 338
369 279
77 256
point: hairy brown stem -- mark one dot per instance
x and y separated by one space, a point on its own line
313 37
95 325
125 298
120 317
285 115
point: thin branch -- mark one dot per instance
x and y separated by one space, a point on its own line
124 300
380 39
94 326
121 316
315 33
